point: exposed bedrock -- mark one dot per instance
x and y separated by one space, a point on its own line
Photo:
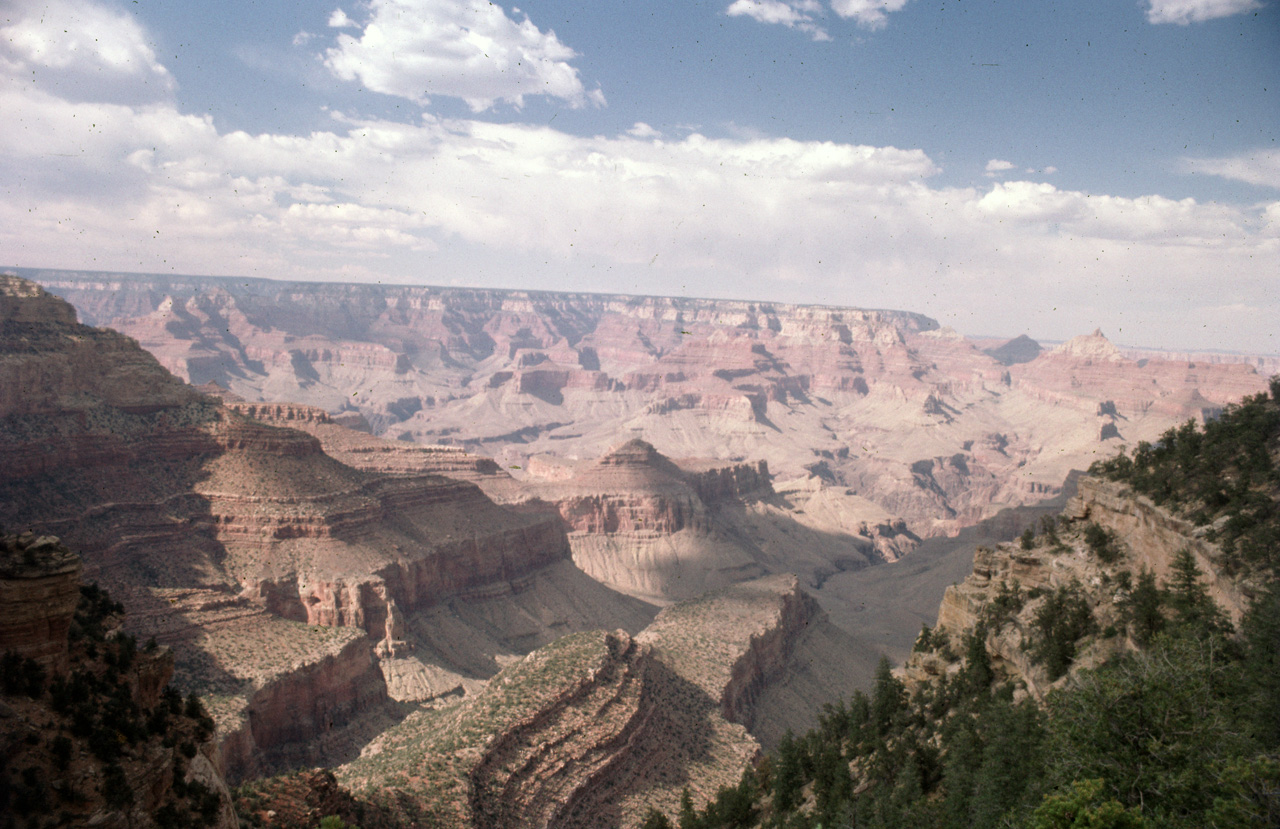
291 719
767 655
39 590
1153 534
593 729
415 578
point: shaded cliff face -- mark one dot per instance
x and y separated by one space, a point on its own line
39 590
89 728
597 727
919 421
665 530
162 487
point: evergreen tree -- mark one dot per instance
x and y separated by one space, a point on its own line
1060 622
655 820
887 697
1261 629
787 777
1148 724
1142 608
1189 598
688 814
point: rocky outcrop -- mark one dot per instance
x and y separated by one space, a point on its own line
767 654
595 728
89 729
293 719
1152 535
1009 584
39 589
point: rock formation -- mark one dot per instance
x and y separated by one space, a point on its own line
39 589
915 420
90 730
1019 580
596 727
223 533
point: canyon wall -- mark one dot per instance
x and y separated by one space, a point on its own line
597 727
39 590
841 394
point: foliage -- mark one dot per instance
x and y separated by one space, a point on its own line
655 820
1102 542
1083 806
1225 472
1182 732
1147 724
1060 623
1142 608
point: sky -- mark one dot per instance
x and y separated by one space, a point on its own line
1004 167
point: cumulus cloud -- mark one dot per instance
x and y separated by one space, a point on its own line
339 20
1260 167
1184 12
148 187
468 49
870 14
794 14
643 130
83 51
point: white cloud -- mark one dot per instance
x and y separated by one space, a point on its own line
794 14
466 49
147 187
997 166
339 20
870 14
1260 167
1184 12
82 50
643 130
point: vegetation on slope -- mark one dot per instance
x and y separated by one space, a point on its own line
1224 476
79 743
1181 728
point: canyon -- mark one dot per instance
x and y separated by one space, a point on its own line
918 423
319 607
538 533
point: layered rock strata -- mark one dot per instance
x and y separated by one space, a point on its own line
841 393
39 589
1009 585
597 727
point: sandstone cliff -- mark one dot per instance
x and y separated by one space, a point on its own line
39 590
596 727
915 419
223 530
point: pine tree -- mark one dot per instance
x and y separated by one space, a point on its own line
787 776
887 697
1190 599
1142 609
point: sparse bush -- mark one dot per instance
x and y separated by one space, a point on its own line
1102 542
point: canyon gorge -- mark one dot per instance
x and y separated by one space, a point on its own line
546 537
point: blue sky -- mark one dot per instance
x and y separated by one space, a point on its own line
1005 167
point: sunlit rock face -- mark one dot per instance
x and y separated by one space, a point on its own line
936 430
